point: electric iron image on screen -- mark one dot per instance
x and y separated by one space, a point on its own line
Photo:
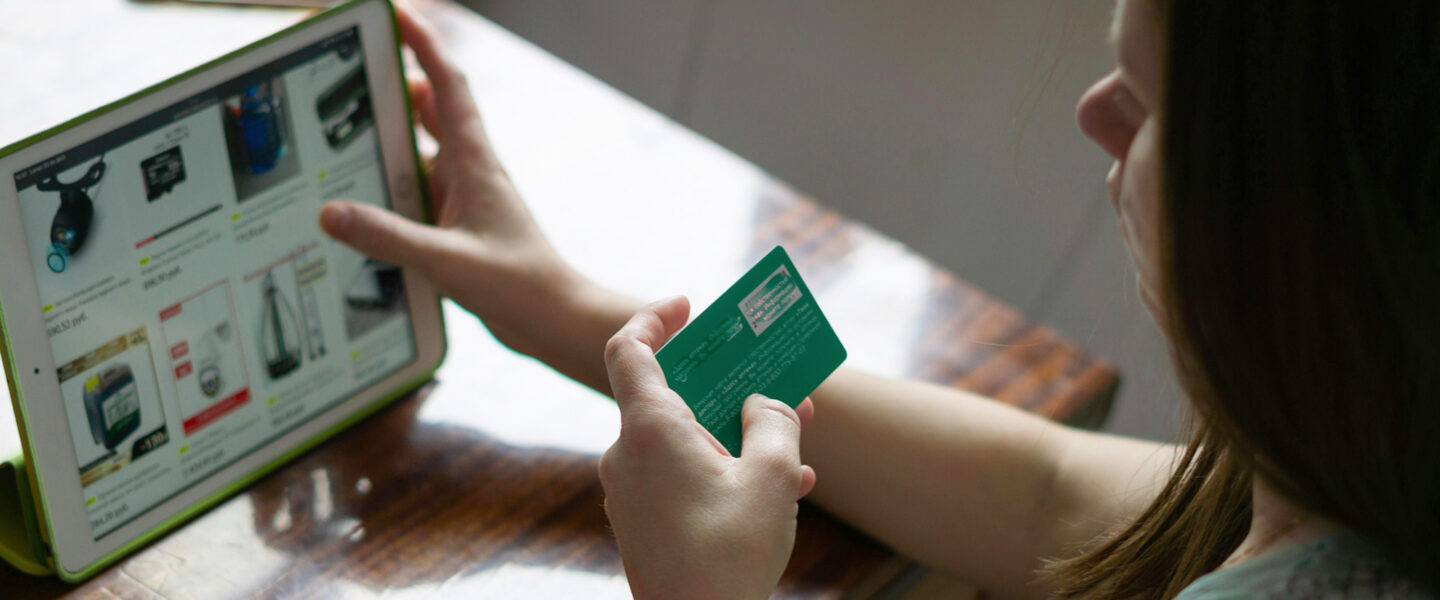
71 225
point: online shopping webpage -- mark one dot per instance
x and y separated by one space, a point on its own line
194 307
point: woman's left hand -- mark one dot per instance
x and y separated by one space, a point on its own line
691 520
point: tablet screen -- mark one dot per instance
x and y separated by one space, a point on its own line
194 308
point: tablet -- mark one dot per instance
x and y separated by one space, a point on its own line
175 324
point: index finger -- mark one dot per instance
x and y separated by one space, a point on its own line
452 96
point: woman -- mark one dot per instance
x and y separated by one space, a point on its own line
1275 179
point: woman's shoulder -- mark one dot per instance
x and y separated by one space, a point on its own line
1337 566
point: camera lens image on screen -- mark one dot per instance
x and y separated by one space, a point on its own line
71 225
210 377
206 357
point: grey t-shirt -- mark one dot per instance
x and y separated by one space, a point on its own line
1339 566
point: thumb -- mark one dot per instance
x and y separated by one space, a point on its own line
635 376
770 442
385 235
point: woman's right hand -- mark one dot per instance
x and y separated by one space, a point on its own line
691 520
484 250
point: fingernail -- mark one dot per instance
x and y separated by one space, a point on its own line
335 217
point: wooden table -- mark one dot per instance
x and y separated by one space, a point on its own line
483 484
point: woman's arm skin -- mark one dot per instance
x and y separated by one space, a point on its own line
957 481
966 484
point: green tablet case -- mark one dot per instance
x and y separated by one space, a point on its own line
23 541
20 541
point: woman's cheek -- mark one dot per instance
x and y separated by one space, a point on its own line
1140 204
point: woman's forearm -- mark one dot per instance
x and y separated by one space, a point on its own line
567 329
967 484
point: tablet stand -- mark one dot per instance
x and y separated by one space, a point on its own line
20 541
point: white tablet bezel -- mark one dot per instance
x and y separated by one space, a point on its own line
51 456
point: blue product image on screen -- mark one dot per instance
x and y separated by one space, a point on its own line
112 405
258 135
260 123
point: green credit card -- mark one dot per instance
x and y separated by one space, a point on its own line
764 335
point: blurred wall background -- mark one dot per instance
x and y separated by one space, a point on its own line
946 124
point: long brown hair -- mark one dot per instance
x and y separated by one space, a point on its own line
1300 243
